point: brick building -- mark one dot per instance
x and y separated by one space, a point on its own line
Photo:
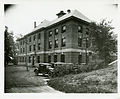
65 39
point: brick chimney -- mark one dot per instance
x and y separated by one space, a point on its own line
34 24
60 14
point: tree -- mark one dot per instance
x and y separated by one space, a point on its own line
105 43
9 47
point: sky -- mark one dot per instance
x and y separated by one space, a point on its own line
21 16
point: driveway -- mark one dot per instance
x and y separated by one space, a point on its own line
19 80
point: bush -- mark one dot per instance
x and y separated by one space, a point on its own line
65 69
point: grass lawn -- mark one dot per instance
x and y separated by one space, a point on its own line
97 81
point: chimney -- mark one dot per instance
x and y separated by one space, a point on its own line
60 14
34 24
68 10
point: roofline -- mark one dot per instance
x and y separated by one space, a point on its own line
40 29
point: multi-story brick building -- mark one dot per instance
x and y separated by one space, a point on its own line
64 39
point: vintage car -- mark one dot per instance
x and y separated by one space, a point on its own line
43 69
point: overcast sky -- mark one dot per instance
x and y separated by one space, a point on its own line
20 17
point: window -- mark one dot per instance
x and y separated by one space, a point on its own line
63 41
62 58
80 29
29 39
63 28
79 59
22 59
79 41
34 48
49 58
56 43
50 33
20 42
38 46
29 47
39 36
23 42
55 58
50 44
87 31
34 37
56 31
38 59
87 43
23 50
29 59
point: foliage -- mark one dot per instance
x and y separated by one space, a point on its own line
9 47
97 81
104 43
65 69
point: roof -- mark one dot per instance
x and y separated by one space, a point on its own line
47 23
74 13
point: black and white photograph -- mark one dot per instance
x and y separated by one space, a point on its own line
61 47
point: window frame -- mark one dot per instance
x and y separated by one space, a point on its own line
50 33
63 42
62 58
39 35
79 59
56 31
49 58
62 29
79 41
56 42
55 58
38 46
81 28
50 44
38 59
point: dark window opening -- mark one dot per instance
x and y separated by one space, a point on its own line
49 58
79 59
30 48
39 36
29 39
87 31
34 37
38 46
38 59
62 58
34 48
55 58
29 59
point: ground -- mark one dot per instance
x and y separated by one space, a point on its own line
96 81
19 80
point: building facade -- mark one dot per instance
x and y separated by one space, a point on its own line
65 39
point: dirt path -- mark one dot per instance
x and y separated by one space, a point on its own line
18 80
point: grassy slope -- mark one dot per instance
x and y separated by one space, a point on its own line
97 81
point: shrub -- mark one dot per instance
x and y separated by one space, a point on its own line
65 69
